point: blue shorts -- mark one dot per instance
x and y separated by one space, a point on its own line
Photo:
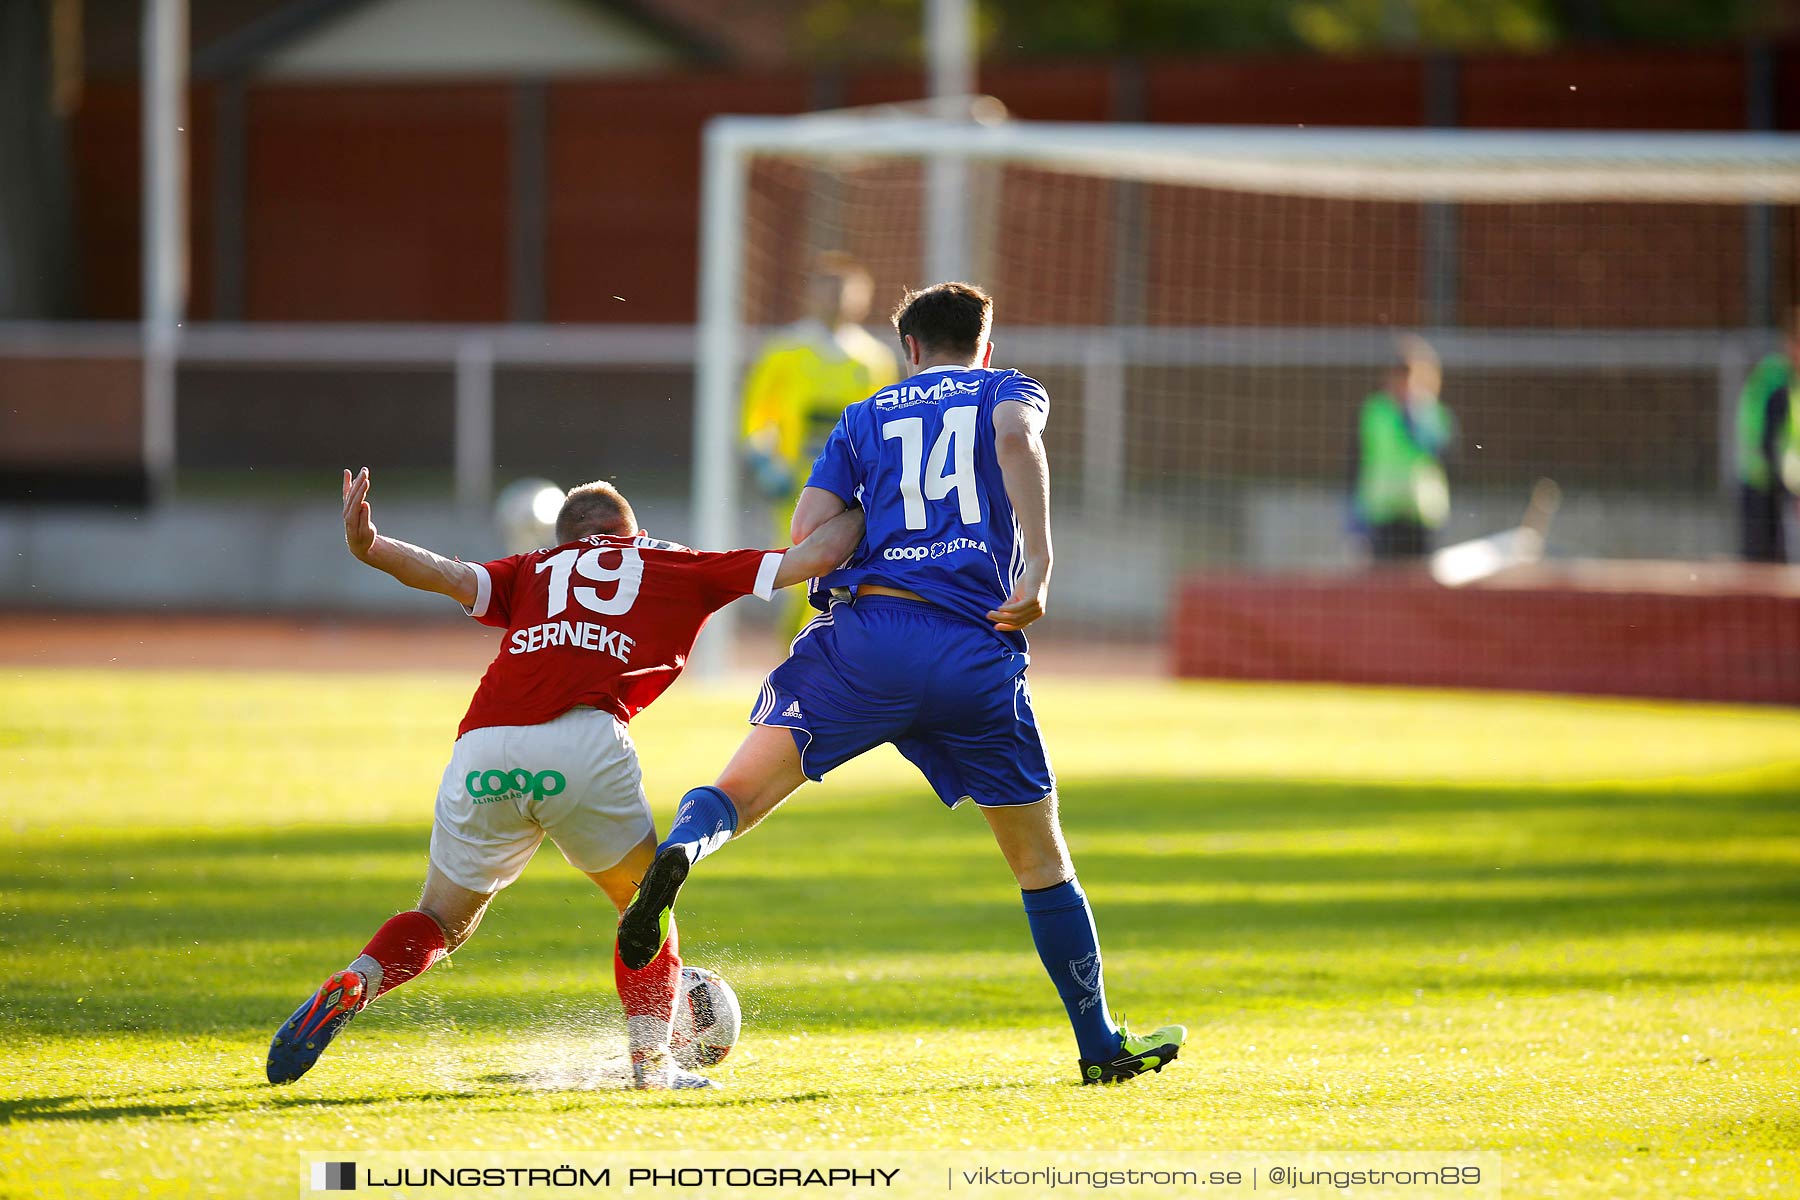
950 695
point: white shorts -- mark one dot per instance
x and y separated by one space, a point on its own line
575 778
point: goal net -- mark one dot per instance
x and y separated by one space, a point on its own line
1212 309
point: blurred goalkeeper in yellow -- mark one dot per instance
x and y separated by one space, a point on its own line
800 384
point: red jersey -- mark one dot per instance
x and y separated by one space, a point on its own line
606 621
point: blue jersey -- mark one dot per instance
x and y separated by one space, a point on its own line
919 456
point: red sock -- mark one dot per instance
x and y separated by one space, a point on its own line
408 945
648 995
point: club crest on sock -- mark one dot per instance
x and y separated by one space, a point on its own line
1086 971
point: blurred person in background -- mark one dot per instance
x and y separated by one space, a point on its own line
800 384
1768 453
1400 494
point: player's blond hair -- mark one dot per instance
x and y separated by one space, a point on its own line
1415 358
855 286
592 508
840 265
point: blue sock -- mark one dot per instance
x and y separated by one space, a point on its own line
1062 925
705 821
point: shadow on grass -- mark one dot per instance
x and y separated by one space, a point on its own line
128 924
27 1109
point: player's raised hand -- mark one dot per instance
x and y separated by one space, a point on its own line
359 529
1030 596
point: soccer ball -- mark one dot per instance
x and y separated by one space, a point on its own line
525 514
707 1019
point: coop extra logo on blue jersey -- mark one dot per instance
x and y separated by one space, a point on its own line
934 550
487 787
903 394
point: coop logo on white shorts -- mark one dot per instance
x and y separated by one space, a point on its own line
486 787
934 550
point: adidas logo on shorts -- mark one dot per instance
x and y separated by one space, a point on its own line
792 710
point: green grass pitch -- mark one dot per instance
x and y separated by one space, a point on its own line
1566 931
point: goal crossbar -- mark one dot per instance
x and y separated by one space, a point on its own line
1377 164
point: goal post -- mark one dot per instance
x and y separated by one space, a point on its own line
1210 305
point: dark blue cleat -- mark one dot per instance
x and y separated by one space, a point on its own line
304 1036
644 925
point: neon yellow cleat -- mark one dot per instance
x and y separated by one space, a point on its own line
1139 1053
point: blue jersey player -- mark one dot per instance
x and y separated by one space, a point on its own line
921 644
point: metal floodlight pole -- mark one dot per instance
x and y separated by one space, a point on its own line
715 488
165 68
950 51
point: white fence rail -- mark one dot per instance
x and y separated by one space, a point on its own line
472 353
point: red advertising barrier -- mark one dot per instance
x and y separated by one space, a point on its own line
1670 631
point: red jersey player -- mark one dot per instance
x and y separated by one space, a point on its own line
597 627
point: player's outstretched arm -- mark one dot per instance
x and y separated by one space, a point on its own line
824 549
412 565
815 507
1019 445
